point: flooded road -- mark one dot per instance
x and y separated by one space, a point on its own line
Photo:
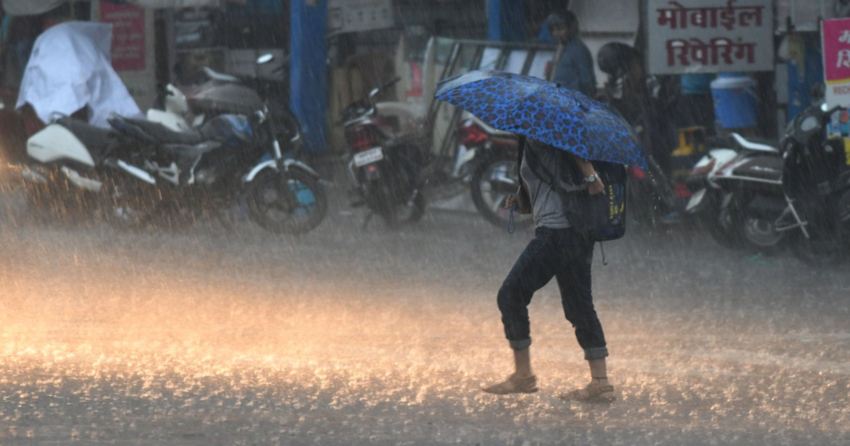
349 336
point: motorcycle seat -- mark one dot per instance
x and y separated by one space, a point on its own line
154 132
756 144
762 167
97 140
219 77
193 152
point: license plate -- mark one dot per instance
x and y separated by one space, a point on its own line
370 156
695 201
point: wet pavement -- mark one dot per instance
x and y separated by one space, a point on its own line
347 336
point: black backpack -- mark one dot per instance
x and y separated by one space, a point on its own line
602 216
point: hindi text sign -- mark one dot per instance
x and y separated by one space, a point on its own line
836 61
346 16
709 36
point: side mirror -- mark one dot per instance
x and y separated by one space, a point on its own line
374 92
818 91
265 58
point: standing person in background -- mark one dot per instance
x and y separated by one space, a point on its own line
572 66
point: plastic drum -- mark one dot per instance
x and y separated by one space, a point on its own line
735 103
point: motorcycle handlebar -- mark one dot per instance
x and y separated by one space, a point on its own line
367 102
389 84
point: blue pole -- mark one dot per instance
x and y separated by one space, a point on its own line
494 19
308 74
506 20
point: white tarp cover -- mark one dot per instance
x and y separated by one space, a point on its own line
31 7
70 68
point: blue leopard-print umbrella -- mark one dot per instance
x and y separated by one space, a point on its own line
545 111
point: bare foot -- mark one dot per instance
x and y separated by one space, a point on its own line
593 392
513 384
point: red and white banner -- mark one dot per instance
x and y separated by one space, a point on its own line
709 36
836 60
128 35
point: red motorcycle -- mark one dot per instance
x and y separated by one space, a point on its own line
488 158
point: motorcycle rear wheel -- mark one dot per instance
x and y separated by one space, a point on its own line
760 234
819 250
291 202
489 194
393 209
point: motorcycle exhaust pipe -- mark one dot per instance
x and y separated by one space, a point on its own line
136 172
80 181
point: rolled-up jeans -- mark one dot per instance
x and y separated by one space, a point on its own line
566 255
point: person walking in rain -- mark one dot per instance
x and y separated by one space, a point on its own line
573 63
560 131
558 250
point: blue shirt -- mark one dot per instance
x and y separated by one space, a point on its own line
575 68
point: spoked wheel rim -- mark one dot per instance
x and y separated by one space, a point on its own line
290 202
496 181
819 250
761 232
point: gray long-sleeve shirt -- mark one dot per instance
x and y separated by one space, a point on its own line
547 207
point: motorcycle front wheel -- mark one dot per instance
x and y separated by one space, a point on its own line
492 182
291 202
818 250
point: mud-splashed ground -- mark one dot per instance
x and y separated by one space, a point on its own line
345 336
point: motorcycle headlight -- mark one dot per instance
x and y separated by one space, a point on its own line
809 124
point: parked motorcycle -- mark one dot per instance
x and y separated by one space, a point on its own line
637 98
707 196
283 193
385 169
225 94
739 194
489 158
222 93
816 181
214 168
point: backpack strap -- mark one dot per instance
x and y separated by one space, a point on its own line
520 151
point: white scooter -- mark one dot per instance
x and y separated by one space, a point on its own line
713 199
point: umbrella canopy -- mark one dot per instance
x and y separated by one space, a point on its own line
547 112
33 7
